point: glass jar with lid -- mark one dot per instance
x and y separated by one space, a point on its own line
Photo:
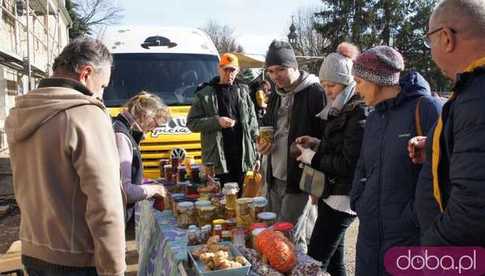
199 204
257 206
267 217
206 214
243 215
185 214
193 235
230 191
205 233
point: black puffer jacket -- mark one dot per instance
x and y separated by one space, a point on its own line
339 149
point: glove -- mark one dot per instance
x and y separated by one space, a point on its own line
306 155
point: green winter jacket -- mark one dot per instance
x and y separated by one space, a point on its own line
203 117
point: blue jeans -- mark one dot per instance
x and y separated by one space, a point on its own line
327 241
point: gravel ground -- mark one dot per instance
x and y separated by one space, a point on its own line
9 229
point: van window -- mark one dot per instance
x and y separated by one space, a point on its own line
173 77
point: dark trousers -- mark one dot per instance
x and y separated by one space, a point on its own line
327 241
36 267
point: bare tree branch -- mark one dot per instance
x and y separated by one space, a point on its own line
222 36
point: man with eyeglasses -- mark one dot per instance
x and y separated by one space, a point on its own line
450 201
222 111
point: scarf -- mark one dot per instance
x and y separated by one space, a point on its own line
334 107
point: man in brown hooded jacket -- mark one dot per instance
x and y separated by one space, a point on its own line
66 169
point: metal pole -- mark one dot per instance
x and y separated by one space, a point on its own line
29 67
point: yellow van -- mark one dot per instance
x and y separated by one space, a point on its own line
170 62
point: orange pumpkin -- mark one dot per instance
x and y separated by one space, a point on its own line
277 249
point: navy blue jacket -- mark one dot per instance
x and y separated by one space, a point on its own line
461 170
385 179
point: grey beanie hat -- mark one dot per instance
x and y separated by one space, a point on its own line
337 68
281 53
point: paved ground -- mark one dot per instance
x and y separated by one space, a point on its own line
350 241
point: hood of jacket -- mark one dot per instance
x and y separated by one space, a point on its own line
305 80
33 110
412 85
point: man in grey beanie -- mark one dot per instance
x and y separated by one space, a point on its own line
292 113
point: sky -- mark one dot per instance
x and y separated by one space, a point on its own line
256 22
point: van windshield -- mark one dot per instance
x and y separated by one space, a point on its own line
173 77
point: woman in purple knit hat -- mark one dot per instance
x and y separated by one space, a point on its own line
385 179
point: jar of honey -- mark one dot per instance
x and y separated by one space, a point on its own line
230 191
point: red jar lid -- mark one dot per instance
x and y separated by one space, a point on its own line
282 226
257 225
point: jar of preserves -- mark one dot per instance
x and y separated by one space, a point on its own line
218 230
167 172
267 217
205 233
176 199
230 213
209 171
238 237
193 235
194 174
230 191
257 206
243 215
226 236
185 214
198 205
218 222
163 162
230 224
159 204
206 214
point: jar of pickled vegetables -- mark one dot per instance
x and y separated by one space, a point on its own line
185 214
206 214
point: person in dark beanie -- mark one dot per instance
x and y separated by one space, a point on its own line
384 184
292 113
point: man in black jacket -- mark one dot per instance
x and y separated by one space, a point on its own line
292 113
450 199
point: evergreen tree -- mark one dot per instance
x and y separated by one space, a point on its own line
398 23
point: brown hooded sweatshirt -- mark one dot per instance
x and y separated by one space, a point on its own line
67 179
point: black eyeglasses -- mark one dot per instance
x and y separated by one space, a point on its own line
427 39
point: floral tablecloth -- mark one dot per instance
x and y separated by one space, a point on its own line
161 244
